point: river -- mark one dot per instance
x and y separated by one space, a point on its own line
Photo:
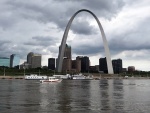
75 96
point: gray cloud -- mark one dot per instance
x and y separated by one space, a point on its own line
83 27
42 41
105 8
60 12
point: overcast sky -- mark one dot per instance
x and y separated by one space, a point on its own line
38 26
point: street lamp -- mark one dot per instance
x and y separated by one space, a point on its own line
4 71
24 70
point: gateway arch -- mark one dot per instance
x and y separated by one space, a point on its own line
63 43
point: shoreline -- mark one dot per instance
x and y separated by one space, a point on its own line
94 77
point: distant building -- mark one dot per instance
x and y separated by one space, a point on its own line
4 61
131 68
66 65
25 65
97 68
45 67
34 60
51 63
103 65
76 65
14 60
93 69
85 63
124 69
29 57
117 65
67 53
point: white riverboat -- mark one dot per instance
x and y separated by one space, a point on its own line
80 76
51 79
64 77
35 77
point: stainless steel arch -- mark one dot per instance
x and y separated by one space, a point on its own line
63 43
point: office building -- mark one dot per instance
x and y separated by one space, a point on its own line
117 65
76 65
25 65
29 57
67 52
66 65
85 63
34 60
103 65
4 61
14 60
51 63
93 69
131 68
66 58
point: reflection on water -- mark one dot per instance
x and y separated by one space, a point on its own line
105 101
69 96
118 101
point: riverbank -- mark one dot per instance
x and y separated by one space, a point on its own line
94 77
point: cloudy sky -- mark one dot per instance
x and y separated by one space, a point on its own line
38 26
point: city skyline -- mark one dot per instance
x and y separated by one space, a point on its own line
38 26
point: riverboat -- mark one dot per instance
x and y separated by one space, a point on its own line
64 77
35 77
51 79
80 76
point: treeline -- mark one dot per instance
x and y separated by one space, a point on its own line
136 74
20 72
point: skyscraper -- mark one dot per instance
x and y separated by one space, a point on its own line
103 65
117 65
29 57
34 60
85 63
66 65
14 60
67 52
66 58
51 63
76 65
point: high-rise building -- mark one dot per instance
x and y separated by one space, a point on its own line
85 63
103 65
4 61
76 65
67 52
34 60
29 57
117 65
66 65
14 60
51 63
66 58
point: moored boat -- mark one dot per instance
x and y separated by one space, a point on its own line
64 77
35 77
80 76
51 79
